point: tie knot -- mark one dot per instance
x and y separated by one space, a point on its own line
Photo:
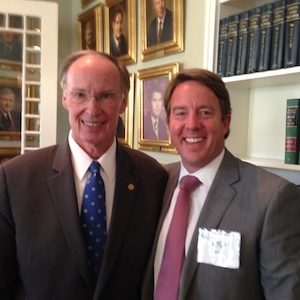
189 183
95 167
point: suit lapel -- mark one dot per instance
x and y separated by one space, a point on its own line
218 200
126 184
64 197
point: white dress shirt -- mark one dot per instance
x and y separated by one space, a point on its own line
162 20
206 175
81 162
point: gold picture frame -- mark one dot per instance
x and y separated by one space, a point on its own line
126 10
125 125
90 29
10 82
152 83
85 3
172 32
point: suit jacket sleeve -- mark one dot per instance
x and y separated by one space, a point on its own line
279 259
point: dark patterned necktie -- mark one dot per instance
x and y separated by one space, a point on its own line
11 123
93 218
169 275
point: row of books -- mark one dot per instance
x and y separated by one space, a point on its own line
292 132
263 38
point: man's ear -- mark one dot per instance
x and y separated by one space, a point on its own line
64 99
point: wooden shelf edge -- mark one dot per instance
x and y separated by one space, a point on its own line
271 163
266 78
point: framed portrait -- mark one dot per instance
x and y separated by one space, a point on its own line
126 120
120 30
90 29
10 108
162 25
153 130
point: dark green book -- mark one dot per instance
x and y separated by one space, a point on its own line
253 39
292 131
265 37
292 31
277 47
233 27
222 47
241 56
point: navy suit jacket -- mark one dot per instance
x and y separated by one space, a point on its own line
42 250
5 124
167 32
265 210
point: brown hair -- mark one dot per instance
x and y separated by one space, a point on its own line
117 10
205 77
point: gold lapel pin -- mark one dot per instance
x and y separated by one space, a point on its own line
130 186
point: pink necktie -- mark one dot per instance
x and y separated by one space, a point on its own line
169 276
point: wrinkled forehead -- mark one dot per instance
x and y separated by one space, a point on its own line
94 69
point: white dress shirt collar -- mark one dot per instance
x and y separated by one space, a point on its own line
81 160
161 19
206 174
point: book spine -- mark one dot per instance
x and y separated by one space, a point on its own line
292 131
222 47
233 26
242 43
292 31
265 36
253 39
278 30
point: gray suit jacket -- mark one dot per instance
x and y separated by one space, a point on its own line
42 251
265 209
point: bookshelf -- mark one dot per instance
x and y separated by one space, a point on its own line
257 133
36 24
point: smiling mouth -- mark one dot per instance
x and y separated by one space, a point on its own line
194 140
91 124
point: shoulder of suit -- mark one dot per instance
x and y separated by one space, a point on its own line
172 167
140 159
32 161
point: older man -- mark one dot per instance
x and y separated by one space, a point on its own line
77 220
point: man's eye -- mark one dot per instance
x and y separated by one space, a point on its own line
205 112
105 95
79 95
179 113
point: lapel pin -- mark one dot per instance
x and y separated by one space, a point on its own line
130 186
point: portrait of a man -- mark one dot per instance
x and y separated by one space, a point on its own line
10 118
161 26
89 38
10 46
154 121
118 43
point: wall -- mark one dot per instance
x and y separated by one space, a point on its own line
193 56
